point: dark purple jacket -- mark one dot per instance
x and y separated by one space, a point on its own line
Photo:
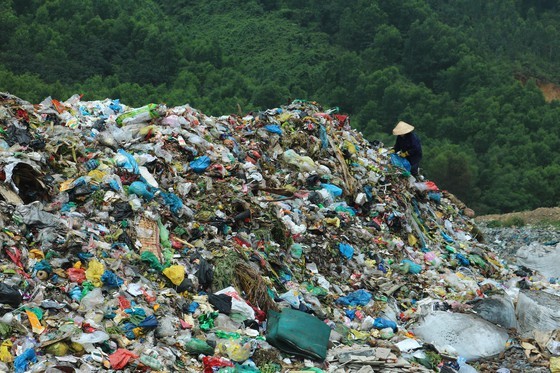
410 143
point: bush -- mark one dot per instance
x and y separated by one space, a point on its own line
494 224
514 221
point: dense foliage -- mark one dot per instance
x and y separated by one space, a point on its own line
464 72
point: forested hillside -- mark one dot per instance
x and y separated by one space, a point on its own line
466 73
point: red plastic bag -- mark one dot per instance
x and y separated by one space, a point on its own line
211 362
76 275
432 186
121 357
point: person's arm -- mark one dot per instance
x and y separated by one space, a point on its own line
415 146
398 145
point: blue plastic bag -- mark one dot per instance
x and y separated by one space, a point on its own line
149 322
435 196
175 203
412 267
114 184
358 298
127 329
43 265
129 164
463 260
115 106
323 136
332 189
76 293
136 311
446 237
273 128
351 314
193 307
400 162
111 280
142 190
346 250
200 164
21 363
381 323
368 190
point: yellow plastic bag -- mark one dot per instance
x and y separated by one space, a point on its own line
5 354
94 272
555 364
58 349
333 221
66 185
175 273
350 147
36 254
97 175
235 350
35 323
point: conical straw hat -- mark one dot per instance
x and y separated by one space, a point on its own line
402 128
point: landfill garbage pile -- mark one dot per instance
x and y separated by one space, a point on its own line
163 239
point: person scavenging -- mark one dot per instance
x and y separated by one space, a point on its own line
408 145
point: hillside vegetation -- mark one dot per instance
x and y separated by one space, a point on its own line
466 73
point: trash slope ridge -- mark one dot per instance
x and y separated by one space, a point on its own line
164 238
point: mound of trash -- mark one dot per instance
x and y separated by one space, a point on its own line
160 238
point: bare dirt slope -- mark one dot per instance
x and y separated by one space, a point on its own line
542 215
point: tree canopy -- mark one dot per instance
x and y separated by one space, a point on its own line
465 73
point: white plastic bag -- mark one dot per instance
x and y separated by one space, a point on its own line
469 335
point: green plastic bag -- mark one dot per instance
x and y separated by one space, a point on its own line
197 346
298 333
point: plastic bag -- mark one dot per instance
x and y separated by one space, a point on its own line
555 365
94 272
22 361
5 354
498 310
151 362
175 203
92 300
381 323
200 164
462 334
400 162
175 273
410 267
34 321
537 310
273 128
214 363
346 250
304 163
238 351
142 189
139 115
323 136
10 295
111 280
332 189
197 346
358 298
120 358
464 367
127 161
